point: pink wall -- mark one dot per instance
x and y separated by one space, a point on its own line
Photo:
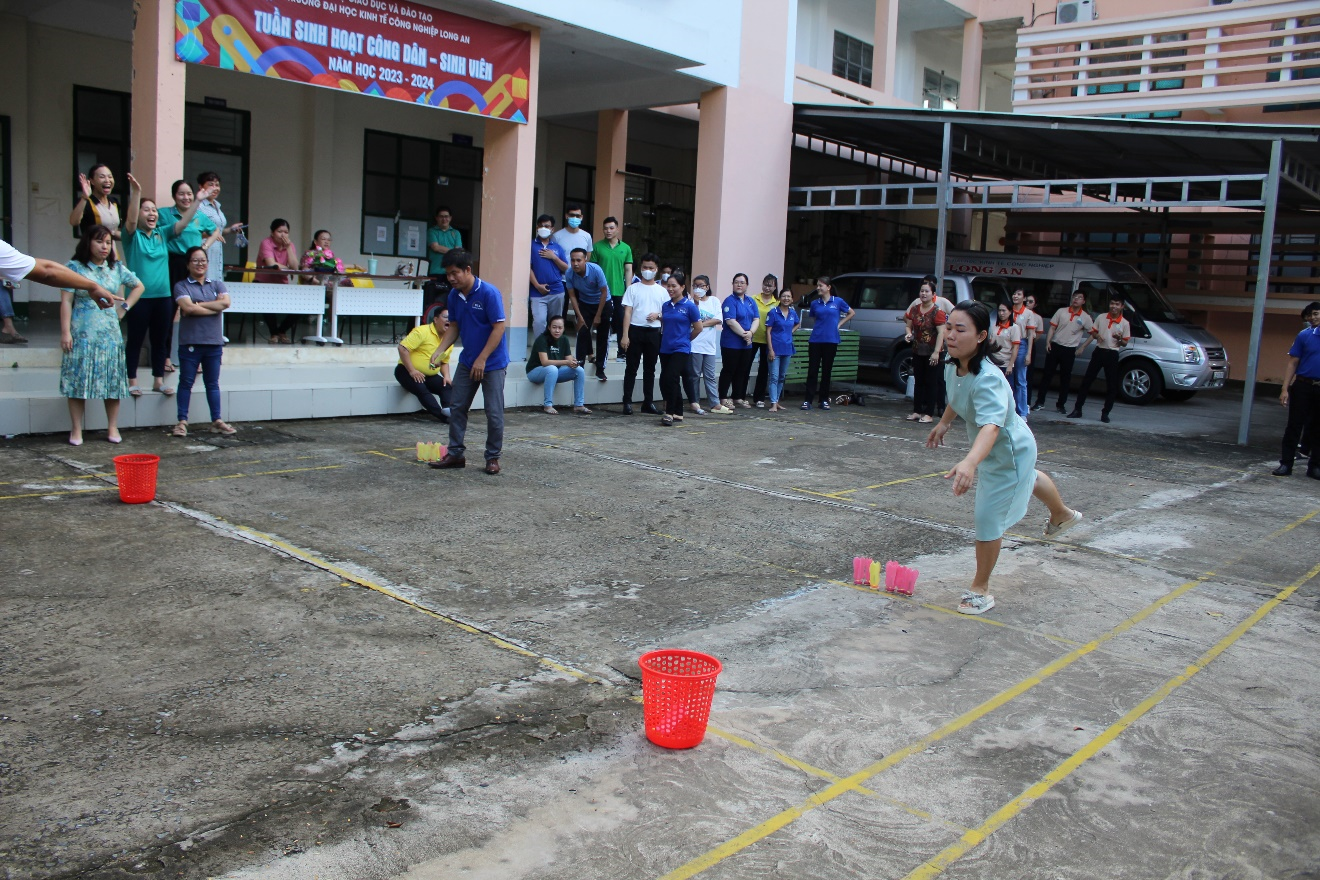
743 151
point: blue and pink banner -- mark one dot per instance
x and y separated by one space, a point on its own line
387 48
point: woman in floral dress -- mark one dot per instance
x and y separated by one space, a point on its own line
93 367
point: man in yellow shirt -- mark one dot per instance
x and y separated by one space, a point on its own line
415 372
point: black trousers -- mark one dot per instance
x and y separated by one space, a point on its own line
278 324
1060 358
643 349
673 368
926 381
820 366
425 391
1303 414
150 319
616 316
761 351
1102 359
735 368
601 333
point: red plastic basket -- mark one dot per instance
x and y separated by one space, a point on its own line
677 689
137 477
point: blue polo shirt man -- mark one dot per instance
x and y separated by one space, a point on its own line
476 318
1301 394
589 295
548 265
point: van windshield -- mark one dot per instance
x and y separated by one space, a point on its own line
1149 303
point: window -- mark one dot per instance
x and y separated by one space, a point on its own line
939 92
100 135
852 59
579 189
409 177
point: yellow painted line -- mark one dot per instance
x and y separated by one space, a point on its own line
897 482
831 496
841 494
1010 810
85 476
326 565
790 761
1293 525
61 492
383 454
855 781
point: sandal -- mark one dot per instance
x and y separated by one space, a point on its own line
169 367
180 430
976 603
925 420
134 391
550 410
167 390
582 410
667 421
678 418
221 427
914 417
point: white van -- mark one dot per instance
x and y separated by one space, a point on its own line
881 297
1169 354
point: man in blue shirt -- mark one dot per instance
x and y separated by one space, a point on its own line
1301 394
476 318
589 295
549 263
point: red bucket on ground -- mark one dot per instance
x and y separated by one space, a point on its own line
677 689
137 477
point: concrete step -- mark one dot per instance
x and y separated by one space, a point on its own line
30 402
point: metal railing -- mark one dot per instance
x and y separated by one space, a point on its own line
1244 54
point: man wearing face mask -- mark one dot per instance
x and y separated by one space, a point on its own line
573 235
549 262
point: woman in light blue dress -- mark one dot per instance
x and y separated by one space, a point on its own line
93 367
1002 460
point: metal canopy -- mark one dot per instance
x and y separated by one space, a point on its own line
1001 161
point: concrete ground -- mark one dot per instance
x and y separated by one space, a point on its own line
315 658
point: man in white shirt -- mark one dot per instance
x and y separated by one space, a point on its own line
16 266
640 339
573 235
1111 333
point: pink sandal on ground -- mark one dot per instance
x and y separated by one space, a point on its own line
221 427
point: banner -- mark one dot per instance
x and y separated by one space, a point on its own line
387 48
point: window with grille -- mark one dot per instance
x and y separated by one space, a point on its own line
939 92
852 59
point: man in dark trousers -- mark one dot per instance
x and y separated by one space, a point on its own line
1301 394
476 316
1069 328
1111 333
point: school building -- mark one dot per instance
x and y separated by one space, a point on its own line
676 117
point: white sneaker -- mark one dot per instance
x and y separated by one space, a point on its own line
976 603
1054 531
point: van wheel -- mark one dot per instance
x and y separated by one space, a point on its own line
1178 395
900 369
1139 381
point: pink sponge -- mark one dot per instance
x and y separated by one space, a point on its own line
900 578
862 571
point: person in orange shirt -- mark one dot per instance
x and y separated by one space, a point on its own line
1111 333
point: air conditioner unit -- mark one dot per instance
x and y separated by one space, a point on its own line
1073 11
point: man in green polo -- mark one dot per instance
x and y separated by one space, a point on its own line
616 260
440 240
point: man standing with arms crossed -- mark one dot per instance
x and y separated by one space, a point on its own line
1111 333
1068 329
476 316
616 260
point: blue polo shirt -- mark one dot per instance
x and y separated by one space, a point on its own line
1306 348
676 320
476 316
545 269
827 316
743 310
587 286
781 330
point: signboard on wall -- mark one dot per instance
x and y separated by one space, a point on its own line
386 48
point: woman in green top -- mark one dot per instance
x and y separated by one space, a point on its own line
552 362
146 254
184 228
